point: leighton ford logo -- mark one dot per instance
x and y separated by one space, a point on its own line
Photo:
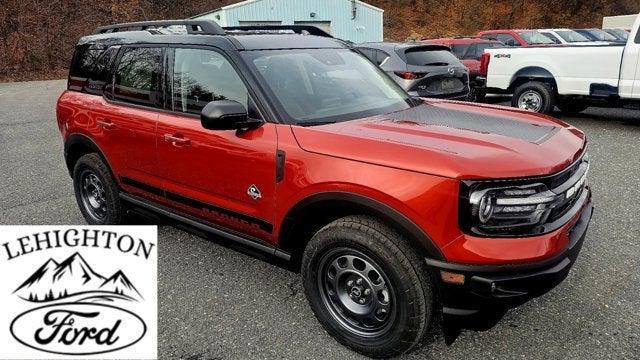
79 292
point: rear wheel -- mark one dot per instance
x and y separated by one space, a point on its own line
367 286
534 96
96 192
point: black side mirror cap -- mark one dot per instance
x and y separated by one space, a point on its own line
227 115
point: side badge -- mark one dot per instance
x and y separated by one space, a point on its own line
254 192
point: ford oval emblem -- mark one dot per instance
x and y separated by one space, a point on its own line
451 71
78 328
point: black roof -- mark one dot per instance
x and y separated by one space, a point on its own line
207 32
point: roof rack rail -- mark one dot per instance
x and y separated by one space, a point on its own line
202 27
298 29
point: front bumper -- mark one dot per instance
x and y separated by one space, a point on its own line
489 290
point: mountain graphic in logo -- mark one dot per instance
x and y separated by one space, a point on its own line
75 278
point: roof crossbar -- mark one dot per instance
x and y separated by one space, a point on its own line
202 27
298 29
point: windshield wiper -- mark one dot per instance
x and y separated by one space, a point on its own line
436 64
315 123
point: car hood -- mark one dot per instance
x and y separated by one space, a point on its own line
452 139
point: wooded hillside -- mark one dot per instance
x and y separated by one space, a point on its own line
37 36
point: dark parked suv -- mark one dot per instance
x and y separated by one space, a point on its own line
422 70
396 209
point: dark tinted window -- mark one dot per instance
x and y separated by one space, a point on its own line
381 56
425 57
99 75
84 60
459 50
369 53
138 75
201 76
508 39
476 51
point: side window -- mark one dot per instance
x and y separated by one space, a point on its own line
84 60
490 36
459 50
550 37
99 75
138 76
381 56
472 52
369 53
201 76
508 40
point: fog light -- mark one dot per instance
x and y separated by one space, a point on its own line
452 278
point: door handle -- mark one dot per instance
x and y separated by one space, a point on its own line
177 140
106 124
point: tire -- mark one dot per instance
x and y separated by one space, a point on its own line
356 245
477 95
534 96
571 107
96 192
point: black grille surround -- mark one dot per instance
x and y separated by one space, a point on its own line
561 210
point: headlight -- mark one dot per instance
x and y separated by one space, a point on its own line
520 207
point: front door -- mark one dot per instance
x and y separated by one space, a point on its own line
226 177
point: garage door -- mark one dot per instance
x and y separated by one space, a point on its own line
323 25
258 23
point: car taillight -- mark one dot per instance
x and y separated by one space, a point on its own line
408 75
484 64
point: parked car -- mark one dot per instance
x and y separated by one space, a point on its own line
422 70
571 78
569 37
469 50
620 34
518 38
599 35
394 208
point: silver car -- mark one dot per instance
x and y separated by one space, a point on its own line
422 70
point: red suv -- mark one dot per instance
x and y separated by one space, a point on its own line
469 50
395 208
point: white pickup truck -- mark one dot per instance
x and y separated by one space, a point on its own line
570 77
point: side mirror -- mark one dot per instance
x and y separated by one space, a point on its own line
227 115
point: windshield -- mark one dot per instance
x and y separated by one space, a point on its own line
571 36
314 86
420 56
535 38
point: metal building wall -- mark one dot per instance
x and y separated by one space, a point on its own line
367 25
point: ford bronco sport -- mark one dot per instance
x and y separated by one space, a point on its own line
398 210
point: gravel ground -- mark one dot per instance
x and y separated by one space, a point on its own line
217 303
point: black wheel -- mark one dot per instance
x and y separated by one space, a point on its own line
367 286
477 95
96 191
534 96
571 107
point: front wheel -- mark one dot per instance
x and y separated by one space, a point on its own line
534 96
367 286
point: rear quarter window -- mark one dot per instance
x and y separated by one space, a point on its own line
90 68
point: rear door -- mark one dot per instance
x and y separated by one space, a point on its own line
225 177
130 115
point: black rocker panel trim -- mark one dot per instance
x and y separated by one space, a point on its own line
209 228
264 225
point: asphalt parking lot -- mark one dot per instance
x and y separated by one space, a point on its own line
217 303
